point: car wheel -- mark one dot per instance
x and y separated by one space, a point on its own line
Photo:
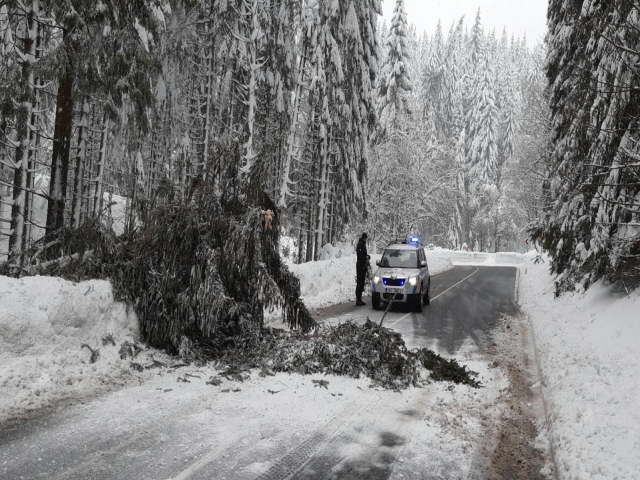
375 300
426 299
417 303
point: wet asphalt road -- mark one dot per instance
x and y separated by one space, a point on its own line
466 301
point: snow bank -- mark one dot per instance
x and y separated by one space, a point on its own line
44 321
482 258
439 261
587 347
58 315
326 282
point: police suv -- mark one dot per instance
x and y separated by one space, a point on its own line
402 276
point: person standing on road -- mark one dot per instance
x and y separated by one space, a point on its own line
361 267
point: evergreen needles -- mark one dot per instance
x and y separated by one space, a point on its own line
346 349
206 270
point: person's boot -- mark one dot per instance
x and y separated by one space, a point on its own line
359 301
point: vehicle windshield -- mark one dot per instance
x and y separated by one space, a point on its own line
399 259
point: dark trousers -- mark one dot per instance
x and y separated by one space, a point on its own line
361 273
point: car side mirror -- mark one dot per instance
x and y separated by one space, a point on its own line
423 263
378 263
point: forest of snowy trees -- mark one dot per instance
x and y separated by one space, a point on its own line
591 225
344 122
153 100
146 101
459 153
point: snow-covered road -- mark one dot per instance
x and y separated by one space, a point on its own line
175 425
586 346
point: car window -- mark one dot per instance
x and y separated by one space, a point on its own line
399 259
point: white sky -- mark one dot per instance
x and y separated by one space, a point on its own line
517 16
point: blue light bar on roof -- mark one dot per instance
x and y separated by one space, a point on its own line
414 240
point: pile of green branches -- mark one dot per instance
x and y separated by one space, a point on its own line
204 271
73 254
348 349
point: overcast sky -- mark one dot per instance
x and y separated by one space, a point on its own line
517 16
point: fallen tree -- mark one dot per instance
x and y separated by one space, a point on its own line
204 271
200 277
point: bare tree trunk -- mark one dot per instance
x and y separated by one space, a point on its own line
331 234
184 175
34 145
89 183
300 243
19 194
61 151
98 194
26 126
138 186
99 187
29 197
310 236
322 188
78 183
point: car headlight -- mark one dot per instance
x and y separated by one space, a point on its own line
376 279
413 281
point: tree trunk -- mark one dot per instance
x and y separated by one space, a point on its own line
19 195
78 183
87 190
25 127
322 188
331 234
250 155
310 237
99 188
34 147
61 151
207 109
32 168
300 243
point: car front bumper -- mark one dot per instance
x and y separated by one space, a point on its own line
397 294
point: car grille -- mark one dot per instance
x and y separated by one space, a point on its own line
394 282
393 296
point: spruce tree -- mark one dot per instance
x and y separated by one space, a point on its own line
394 82
591 229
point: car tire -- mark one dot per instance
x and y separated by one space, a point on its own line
375 300
417 304
426 299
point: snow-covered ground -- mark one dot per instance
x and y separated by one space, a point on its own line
586 346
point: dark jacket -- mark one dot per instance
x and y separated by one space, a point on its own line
361 251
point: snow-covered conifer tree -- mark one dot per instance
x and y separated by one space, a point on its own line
592 229
394 82
482 125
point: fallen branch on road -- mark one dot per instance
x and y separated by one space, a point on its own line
347 349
